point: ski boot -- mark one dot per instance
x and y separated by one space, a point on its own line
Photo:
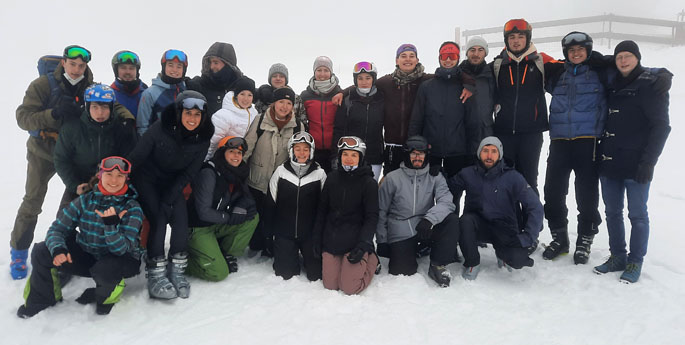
558 246
583 244
158 285
177 268
232 263
440 274
470 273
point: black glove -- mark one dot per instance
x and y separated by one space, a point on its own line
265 93
424 229
251 210
238 216
383 249
645 173
111 220
65 110
356 254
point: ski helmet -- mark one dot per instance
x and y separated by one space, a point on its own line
576 38
190 99
364 67
518 26
352 143
175 54
416 143
301 137
125 57
232 142
99 93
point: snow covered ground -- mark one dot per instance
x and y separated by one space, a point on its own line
551 303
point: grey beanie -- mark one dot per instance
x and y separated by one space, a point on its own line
491 141
477 41
278 68
323 61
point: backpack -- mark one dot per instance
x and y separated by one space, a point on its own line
46 67
497 64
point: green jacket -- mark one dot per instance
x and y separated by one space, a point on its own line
83 144
33 113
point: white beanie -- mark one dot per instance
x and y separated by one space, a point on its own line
323 61
477 41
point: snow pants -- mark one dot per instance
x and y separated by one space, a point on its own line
393 155
258 240
43 288
287 258
208 246
522 151
475 228
340 274
450 165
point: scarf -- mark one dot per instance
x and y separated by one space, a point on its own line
471 68
279 123
232 175
531 50
121 191
323 87
372 91
403 78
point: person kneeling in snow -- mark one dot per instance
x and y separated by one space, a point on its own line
221 213
494 193
416 204
346 220
106 247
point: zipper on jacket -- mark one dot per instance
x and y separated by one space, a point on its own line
323 141
516 98
297 206
366 133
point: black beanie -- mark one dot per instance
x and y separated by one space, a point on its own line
628 46
284 93
243 84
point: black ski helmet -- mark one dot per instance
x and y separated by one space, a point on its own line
416 143
125 57
576 38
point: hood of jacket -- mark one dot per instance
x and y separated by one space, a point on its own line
223 51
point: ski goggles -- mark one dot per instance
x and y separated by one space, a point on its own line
364 66
128 57
237 143
116 162
174 54
73 52
302 137
348 143
517 24
575 38
190 103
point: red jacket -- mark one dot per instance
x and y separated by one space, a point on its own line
321 115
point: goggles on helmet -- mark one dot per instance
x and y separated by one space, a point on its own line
348 143
517 24
237 143
575 38
364 66
190 103
128 57
174 54
116 162
73 52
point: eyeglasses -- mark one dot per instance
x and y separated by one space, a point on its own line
348 143
116 162
190 103
518 24
364 66
128 57
73 52
417 154
451 56
173 54
576 37
237 143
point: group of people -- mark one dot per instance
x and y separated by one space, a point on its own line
228 165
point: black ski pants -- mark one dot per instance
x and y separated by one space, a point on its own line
287 258
522 151
475 228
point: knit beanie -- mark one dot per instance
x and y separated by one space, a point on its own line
628 46
407 47
477 41
278 68
491 141
284 93
243 84
323 61
449 47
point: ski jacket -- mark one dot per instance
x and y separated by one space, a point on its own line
83 144
94 235
637 126
130 100
153 101
348 211
495 194
293 200
320 116
164 156
230 120
399 103
267 151
407 196
208 84
451 127
485 94
362 117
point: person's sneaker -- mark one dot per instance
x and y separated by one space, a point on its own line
501 263
631 274
18 264
582 254
470 273
103 309
440 274
232 263
558 246
613 264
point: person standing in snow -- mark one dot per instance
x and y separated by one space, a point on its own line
220 73
278 78
127 85
415 203
635 133
236 114
495 195
346 221
320 109
221 212
106 247
474 64
291 208
164 89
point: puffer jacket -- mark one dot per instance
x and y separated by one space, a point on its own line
495 194
230 120
129 99
407 196
266 152
34 115
153 101
320 116
451 127
578 108
362 117
638 123
83 144
94 236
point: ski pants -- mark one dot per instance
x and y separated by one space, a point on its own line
450 165
287 258
339 274
522 151
258 240
475 228
393 155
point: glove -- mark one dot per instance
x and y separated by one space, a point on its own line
66 109
251 210
237 218
356 254
383 249
424 229
645 173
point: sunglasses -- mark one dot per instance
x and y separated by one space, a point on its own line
116 162
73 52
451 56
348 143
190 103
128 57
576 37
363 66
519 24
173 54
